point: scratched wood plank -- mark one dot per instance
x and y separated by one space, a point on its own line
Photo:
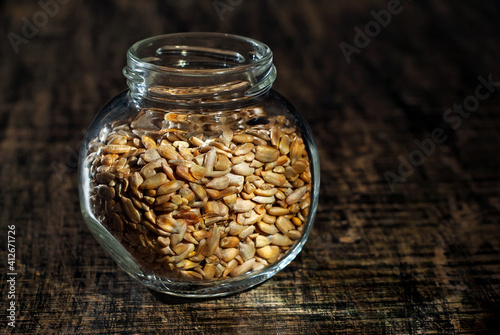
424 258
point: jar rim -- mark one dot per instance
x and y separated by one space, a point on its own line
265 55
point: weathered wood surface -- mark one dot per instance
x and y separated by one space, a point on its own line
422 259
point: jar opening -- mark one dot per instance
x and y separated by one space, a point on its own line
196 68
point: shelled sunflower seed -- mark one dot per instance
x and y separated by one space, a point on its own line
202 196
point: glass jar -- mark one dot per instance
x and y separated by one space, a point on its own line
199 180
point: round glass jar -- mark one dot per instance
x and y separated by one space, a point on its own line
199 180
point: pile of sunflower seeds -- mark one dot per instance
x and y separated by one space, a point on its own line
202 196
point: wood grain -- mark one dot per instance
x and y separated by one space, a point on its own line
424 259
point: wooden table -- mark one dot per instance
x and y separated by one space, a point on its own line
420 257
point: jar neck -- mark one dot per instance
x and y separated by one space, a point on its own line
199 69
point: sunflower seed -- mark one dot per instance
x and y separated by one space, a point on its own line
182 247
247 196
243 169
296 150
284 225
280 240
300 165
258 266
243 149
306 176
294 234
249 157
208 271
131 212
168 151
296 195
269 253
267 228
150 216
117 139
235 228
264 200
219 183
167 223
192 275
237 160
212 242
183 172
242 206
306 203
229 254
197 142
199 191
210 158
148 142
217 208
230 267
266 153
277 179
109 159
222 163
250 220
116 149
278 211
104 177
262 241
176 238
247 231
230 200
178 258
243 268
235 180
275 136
242 138
169 187
266 192
256 164
247 249
290 173
249 188
198 171
187 264
259 140
269 218
226 192
150 155
229 242
154 181
279 169
296 221
284 144
297 183
164 241
166 207
106 192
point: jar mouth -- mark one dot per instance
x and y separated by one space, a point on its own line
197 67
215 52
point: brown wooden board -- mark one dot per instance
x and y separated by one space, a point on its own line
423 258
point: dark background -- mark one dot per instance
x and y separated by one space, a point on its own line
423 258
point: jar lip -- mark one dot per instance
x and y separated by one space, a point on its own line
265 54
